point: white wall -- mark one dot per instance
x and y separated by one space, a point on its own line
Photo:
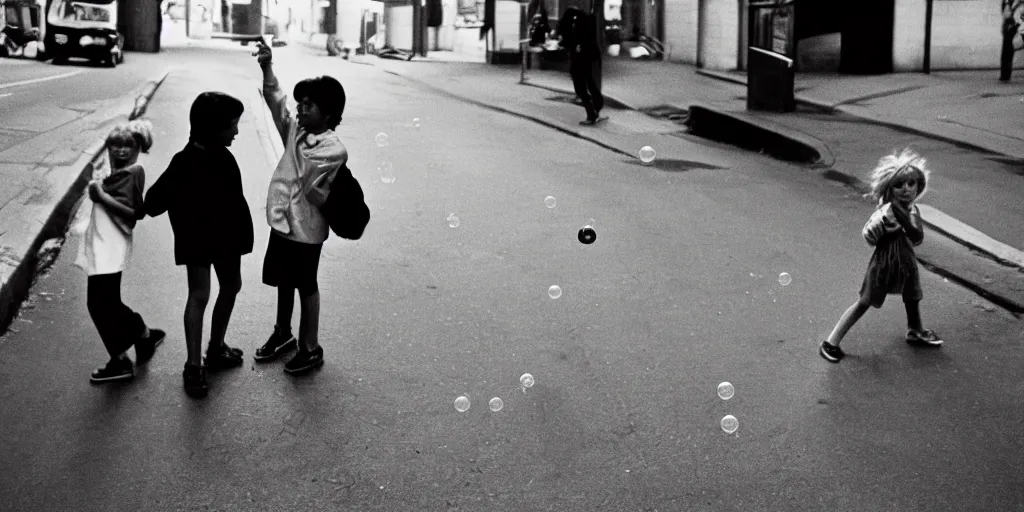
507 16
399 23
720 40
908 35
681 30
966 34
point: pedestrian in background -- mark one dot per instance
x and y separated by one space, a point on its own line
894 229
201 191
578 32
298 188
106 249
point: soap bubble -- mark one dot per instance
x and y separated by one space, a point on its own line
526 380
785 278
415 122
382 139
495 404
647 154
386 170
462 404
725 391
555 291
453 221
549 201
730 424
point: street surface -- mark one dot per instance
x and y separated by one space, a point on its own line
679 293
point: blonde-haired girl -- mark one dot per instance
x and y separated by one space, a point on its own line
106 249
894 229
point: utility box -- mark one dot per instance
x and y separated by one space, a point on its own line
770 81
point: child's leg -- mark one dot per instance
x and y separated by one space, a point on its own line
849 318
195 308
229 275
309 318
285 307
103 292
913 315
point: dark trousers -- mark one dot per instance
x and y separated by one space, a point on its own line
586 80
118 325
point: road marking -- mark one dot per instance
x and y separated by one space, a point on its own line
6 95
43 79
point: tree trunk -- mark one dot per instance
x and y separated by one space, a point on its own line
1006 58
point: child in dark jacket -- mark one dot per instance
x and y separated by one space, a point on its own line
201 191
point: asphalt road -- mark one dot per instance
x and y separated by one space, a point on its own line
679 293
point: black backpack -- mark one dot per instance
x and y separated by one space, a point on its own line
345 208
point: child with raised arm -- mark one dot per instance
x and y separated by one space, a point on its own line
299 186
106 249
894 229
201 191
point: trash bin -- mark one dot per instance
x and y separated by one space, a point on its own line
770 79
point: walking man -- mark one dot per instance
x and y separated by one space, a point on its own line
578 32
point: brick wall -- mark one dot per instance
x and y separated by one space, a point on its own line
681 29
720 37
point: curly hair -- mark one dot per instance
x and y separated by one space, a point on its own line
893 166
138 133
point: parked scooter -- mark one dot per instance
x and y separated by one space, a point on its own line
20 35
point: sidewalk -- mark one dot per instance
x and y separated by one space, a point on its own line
968 227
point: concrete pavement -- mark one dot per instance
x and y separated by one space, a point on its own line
678 294
973 199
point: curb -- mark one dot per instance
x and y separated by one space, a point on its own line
772 138
46 244
906 128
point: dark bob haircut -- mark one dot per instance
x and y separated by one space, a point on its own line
327 94
212 112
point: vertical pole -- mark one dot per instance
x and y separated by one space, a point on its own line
928 37
188 17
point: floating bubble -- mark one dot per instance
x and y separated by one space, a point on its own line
647 154
382 139
785 278
725 391
462 404
495 404
453 221
549 201
555 291
386 170
415 122
730 424
526 380
587 235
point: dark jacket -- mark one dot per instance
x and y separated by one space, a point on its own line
126 186
201 191
579 35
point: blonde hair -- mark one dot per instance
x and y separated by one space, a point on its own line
138 131
893 166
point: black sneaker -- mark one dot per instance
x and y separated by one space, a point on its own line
118 368
304 361
831 353
588 122
195 381
924 338
146 347
223 357
278 343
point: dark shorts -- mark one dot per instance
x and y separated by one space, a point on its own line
291 264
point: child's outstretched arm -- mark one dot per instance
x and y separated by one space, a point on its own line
276 99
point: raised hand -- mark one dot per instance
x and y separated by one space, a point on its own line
263 53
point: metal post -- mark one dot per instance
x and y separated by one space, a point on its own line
188 17
928 37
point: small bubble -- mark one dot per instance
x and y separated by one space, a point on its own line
462 404
526 380
785 278
495 404
453 221
725 391
415 122
382 139
549 201
730 424
647 154
555 291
